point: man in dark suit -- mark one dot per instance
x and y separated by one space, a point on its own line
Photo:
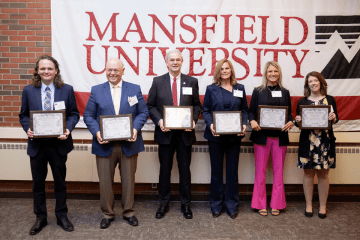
48 92
177 89
112 98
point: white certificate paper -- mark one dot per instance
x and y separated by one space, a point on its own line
315 117
178 117
116 128
227 122
47 124
272 117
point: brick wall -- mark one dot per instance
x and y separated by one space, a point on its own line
25 34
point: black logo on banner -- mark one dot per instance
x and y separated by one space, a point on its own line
343 32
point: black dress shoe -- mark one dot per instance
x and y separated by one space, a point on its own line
65 224
38 225
322 215
216 214
161 212
309 214
233 215
131 220
105 222
186 210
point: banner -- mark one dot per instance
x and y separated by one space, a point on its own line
303 36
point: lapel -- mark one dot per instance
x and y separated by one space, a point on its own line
37 92
124 98
218 96
107 96
166 86
57 94
183 83
233 99
264 97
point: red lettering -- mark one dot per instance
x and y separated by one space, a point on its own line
159 23
151 61
101 35
205 28
297 62
263 32
276 53
192 61
163 51
187 27
242 62
138 30
132 65
258 62
286 30
226 29
88 58
213 58
243 28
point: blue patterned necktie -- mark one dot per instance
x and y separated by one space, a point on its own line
47 103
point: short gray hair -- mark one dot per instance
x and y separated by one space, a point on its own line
171 52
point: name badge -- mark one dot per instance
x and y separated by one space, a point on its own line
187 90
276 94
238 93
59 105
132 100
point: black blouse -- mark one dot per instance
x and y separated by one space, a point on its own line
264 97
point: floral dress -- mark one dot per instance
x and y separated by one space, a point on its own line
319 147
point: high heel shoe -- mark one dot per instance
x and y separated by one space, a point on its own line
322 215
309 214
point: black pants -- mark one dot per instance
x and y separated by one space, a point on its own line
48 153
231 192
166 157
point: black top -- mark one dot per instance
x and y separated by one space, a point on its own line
304 142
227 96
264 97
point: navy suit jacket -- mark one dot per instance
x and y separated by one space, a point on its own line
100 103
160 94
213 101
31 101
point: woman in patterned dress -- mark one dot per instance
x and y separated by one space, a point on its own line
316 147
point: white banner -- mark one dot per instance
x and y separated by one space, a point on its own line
302 36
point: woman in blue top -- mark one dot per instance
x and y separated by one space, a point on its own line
224 94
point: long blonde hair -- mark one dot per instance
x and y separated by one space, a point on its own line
264 78
217 73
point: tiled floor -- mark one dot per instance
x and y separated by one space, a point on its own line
343 222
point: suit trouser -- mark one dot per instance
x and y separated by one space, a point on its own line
48 153
106 171
166 157
278 154
231 151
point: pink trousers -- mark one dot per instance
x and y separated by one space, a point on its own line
261 160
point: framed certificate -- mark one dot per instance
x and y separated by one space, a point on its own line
116 127
272 117
178 117
48 124
227 122
315 117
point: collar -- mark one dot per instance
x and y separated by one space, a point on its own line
119 84
51 86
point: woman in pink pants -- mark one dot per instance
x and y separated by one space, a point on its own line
270 92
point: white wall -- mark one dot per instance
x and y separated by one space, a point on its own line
15 164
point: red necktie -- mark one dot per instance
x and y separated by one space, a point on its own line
174 92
